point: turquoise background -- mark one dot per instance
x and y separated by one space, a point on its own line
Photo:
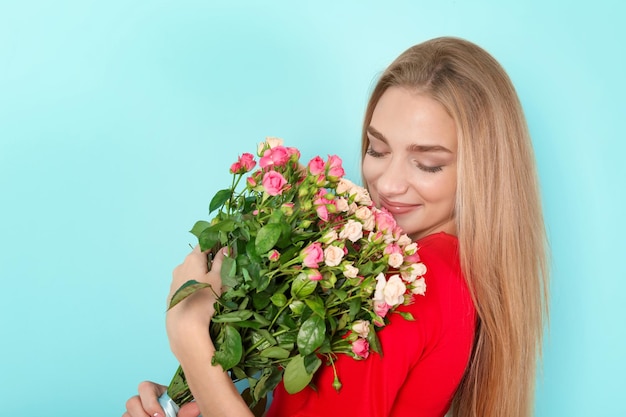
119 120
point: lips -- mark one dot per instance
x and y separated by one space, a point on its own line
396 207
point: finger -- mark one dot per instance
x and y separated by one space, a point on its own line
134 408
218 259
189 410
149 394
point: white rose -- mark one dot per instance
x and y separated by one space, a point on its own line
333 255
405 240
362 196
342 204
388 237
270 142
361 327
395 260
352 231
394 291
419 287
363 213
369 224
420 269
352 208
381 282
410 249
350 271
329 237
344 185
409 274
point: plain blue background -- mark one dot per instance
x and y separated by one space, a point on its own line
119 120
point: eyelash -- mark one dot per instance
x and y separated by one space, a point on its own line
371 152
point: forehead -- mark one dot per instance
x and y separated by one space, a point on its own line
404 117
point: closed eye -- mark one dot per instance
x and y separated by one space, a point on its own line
371 152
429 169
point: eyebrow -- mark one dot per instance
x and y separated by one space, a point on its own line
411 148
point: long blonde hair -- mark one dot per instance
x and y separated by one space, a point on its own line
498 217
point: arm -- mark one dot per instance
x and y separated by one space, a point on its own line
187 328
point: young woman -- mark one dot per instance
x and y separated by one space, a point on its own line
447 151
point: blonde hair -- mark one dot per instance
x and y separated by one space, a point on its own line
503 249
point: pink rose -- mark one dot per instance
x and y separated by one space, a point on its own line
247 161
415 258
381 308
314 275
361 348
273 182
312 255
392 248
274 255
323 206
251 182
384 220
244 164
235 167
316 166
322 212
277 156
334 167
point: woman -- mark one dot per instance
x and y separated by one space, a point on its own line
447 151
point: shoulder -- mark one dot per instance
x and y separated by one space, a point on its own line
440 250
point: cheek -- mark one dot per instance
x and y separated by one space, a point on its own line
368 171
439 190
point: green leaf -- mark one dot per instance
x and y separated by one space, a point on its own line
406 315
267 237
374 342
260 301
312 363
261 320
248 324
219 199
229 271
232 317
267 383
279 300
355 306
296 377
311 334
275 352
285 235
268 336
302 286
208 238
230 350
317 305
186 290
199 227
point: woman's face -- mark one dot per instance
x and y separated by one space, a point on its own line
410 164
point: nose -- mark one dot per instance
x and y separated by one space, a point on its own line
393 180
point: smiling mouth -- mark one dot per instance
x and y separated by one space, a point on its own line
396 207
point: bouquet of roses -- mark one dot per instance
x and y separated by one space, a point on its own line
313 271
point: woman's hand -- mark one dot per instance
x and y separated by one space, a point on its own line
194 313
146 404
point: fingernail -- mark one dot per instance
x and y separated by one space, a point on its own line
157 415
225 251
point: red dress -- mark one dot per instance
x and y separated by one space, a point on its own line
423 360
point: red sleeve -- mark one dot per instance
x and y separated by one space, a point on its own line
423 360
